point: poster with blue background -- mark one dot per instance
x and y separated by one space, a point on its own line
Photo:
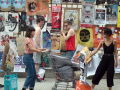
1 56
5 5
19 5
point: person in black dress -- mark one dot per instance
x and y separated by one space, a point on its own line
107 62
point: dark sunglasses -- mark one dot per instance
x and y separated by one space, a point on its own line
65 25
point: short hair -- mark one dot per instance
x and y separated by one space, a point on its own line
28 31
108 31
39 19
68 22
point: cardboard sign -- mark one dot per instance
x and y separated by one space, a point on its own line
56 16
20 45
37 7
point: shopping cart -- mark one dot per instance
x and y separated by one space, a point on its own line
64 71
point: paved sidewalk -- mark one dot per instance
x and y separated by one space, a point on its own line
49 82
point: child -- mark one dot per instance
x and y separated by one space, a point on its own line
107 62
30 48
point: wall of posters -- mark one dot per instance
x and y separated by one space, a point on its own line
87 16
2 20
118 22
31 21
56 1
100 16
37 7
85 37
5 5
73 15
111 14
18 5
4 37
55 44
11 22
56 16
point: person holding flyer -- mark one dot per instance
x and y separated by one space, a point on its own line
30 48
107 62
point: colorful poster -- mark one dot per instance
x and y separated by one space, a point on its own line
37 7
85 37
73 15
18 65
55 44
56 1
111 14
46 40
2 21
98 35
5 5
1 56
18 5
118 22
4 37
11 22
87 16
56 16
100 16
31 21
11 56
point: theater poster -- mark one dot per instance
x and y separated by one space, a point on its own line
37 7
18 5
111 14
98 35
73 15
5 5
87 16
55 44
85 37
56 16
118 22
11 22
100 16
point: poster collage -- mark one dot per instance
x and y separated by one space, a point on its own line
17 15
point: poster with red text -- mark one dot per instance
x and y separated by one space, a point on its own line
98 35
37 7
56 16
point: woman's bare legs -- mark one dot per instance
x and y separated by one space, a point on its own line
93 85
110 88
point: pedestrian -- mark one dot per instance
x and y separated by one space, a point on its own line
30 48
107 62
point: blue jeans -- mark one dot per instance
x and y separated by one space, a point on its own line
69 54
31 71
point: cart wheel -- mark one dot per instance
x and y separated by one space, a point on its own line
53 88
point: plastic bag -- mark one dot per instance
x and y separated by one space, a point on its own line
41 74
82 86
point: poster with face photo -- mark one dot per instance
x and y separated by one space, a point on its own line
31 21
113 1
85 37
18 5
5 5
56 1
37 7
4 37
55 44
2 21
73 15
66 1
111 14
87 16
56 16
100 16
11 22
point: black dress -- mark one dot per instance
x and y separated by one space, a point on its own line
106 64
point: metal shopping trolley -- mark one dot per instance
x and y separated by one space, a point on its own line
64 71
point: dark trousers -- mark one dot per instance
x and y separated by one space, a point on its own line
106 64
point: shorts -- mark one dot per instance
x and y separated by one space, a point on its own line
37 57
